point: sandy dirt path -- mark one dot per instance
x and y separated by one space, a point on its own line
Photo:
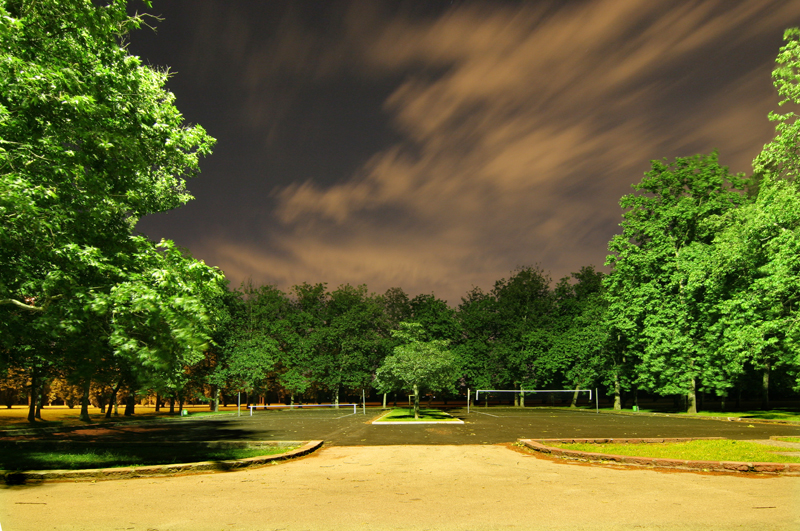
488 487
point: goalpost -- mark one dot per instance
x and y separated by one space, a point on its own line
522 391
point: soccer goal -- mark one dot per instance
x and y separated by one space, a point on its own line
298 407
522 392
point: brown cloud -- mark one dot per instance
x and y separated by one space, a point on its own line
523 127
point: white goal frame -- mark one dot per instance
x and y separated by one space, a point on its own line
479 391
302 406
596 395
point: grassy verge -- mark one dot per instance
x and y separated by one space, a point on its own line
406 414
92 457
16 417
722 450
790 414
775 414
789 439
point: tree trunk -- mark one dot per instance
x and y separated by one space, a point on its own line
291 401
215 402
87 383
765 386
416 402
617 393
636 397
722 401
172 405
40 399
516 395
691 398
336 398
33 389
112 401
130 404
384 400
522 399
575 397
180 405
158 402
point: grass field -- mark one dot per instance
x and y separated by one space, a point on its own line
131 455
716 450
405 414
789 439
17 416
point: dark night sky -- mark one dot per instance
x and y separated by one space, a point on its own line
436 146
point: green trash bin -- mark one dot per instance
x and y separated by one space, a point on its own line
635 408
184 412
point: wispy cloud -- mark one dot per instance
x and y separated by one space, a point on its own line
523 127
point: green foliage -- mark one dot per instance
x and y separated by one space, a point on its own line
417 365
90 141
780 158
657 301
575 344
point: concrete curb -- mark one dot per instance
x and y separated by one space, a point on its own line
203 467
539 445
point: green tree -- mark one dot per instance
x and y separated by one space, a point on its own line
524 305
417 365
656 303
574 349
256 332
90 141
754 269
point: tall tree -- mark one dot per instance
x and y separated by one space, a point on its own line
90 141
654 303
524 304
755 269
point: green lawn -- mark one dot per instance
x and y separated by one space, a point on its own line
789 439
718 450
790 414
406 414
130 455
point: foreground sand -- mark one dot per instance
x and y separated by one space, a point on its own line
487 487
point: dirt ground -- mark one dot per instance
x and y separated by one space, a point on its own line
441 487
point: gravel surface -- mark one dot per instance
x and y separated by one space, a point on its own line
442 487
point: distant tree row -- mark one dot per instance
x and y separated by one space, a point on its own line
702 297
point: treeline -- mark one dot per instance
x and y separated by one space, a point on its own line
702 295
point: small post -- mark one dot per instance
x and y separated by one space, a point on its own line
596 401
239 404
363 402
468 396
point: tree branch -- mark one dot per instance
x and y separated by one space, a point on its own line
30 307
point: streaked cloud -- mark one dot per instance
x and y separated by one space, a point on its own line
522 126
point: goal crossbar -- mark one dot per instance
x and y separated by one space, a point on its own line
479 391
301 406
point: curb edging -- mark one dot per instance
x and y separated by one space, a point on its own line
539 445
200 467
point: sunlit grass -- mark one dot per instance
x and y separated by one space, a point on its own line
773 414
406 414
715 450
17 416
87 457
789 439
